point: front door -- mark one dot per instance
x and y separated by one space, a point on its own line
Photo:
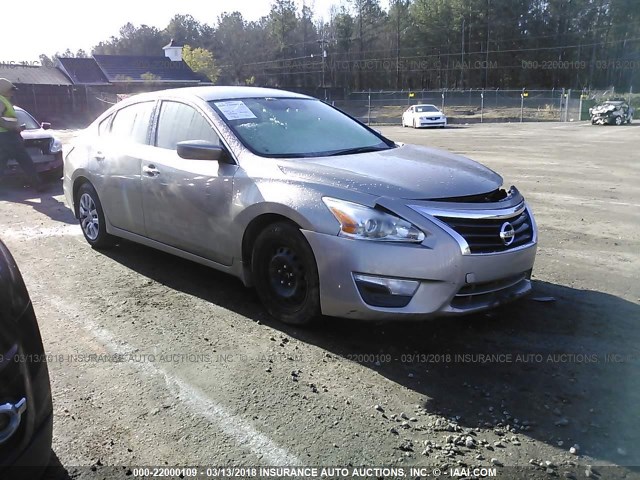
187 203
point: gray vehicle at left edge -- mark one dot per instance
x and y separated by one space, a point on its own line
320 213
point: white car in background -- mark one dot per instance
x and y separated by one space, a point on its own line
423 115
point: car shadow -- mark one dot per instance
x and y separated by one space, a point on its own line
55 470
559 366
12 190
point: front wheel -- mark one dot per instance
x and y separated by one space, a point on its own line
285 274
618 120
91 218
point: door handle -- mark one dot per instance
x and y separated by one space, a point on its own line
151 170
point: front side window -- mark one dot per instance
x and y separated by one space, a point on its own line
132 122
180 122
295 127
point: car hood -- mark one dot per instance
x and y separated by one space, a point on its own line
408 171
604 109
36 134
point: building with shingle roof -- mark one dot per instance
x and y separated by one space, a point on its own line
22 74
82 71
79 89
137 68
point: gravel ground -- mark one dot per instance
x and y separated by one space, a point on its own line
161 362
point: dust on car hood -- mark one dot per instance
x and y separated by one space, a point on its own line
36 134
409 171
603 108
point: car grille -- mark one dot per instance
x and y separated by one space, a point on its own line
489 293
483 234
41 144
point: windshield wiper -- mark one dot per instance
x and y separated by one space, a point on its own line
350 151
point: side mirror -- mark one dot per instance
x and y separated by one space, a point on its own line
45 125
200 150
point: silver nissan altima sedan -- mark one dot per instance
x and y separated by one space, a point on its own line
320 213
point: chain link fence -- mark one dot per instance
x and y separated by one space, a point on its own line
473 106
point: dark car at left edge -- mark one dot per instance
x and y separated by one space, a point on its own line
26 411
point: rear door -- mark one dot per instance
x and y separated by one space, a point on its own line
187 203
125 142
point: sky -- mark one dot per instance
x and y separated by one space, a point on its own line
54 26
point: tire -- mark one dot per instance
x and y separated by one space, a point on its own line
618 120
414 123
285 274
91 218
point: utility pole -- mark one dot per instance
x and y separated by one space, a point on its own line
462 54
486 57
323 42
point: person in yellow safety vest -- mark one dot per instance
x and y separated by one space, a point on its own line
11 143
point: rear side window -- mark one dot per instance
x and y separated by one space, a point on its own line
132 122
179 122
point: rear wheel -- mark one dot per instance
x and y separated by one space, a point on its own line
285 274
618 120
91 218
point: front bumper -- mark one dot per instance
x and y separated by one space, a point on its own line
450 283
432 123
44 163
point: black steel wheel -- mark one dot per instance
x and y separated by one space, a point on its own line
285 274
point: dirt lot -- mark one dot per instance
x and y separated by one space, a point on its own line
206 378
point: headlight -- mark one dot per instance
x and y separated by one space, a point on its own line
56 146
364 223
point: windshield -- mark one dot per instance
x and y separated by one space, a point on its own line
295 127
426 108
27 120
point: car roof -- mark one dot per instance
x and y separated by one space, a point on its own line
220 93
614 102
425 105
